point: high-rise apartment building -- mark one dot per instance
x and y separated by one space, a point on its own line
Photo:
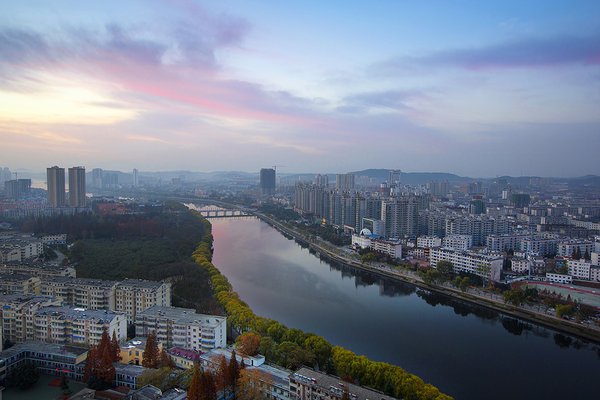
97 175
395 176
344 181
136 178
322 180
267 181
17 188
77 187
55 183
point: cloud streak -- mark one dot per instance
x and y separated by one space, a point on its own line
528 52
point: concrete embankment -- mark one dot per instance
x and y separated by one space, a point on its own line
569 327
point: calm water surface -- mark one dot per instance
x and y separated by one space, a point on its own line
465 351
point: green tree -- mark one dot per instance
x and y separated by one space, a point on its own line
444 267
564 310
367 258
465 283
456 281
586 255
24 376
515 296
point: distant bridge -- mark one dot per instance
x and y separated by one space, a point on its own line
217 212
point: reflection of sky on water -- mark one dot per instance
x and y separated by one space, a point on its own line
462 349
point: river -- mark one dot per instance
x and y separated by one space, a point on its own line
466 351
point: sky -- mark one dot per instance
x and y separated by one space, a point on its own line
467 87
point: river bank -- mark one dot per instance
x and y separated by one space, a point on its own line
549 321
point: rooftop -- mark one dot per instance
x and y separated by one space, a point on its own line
335 384
181 315
43 347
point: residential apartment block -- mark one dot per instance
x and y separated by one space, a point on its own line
182 327
458 242
16 283
17 314
76 325
469 261
93 294
37 269
135 295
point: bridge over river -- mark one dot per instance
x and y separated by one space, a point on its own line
218 212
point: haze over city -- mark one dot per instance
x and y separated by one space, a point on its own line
476 89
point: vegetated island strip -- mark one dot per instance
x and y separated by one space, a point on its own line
292 348
548 321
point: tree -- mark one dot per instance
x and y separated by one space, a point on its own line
431 276
63 383
249 343
253 385
233 372
514 296
484 270
456 281
367 258
222 375
150 358
115 349
7 344
465 283
194 392
444 267
106 371
586 255
165 360
208 386
563 310
24 376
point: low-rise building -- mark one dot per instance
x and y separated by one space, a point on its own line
182 327
37 269
469 261
50 358
579 269
520 265
306 384
183 358
61 238
559 278
132 351
128 374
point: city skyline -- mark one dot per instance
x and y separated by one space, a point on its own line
476 90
